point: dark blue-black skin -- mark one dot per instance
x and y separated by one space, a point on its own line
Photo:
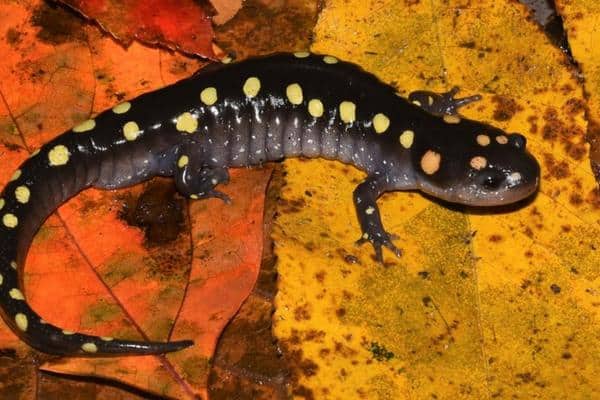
400 144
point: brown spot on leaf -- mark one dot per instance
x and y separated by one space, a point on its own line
575 199
557 169
533 126
320 276
506 108
57 24
495 238
13 36
314 335
594 198
302 312
292 206
553 126
574 106
575 150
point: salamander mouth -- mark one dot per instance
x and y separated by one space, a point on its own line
476 196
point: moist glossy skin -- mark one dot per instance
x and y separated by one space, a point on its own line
245 114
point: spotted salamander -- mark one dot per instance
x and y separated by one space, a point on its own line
245 114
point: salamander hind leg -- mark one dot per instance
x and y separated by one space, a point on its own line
441 104
365 202
198 181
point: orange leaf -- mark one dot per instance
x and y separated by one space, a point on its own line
90 271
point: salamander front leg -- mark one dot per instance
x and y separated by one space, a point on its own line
199 181
365 201
441 104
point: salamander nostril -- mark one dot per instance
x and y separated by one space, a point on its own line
517 140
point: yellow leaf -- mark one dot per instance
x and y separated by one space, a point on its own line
580 20
482 304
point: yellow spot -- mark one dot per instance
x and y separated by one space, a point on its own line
59 155
10 220
370 210
483 140
330 60
22 194
251 87
451 119
85 126
294 93
131 131
209 96
1 279
348 111
501 139
430 162
21 321
429 100
186 122
478 162
2 203
226 60
417 103
16 175
106 338
16 294
13 264
35 153
183 161
301 54
407 138
194 196
67 332
122 108
89 347
315 108
381 123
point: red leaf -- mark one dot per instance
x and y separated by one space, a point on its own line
176 24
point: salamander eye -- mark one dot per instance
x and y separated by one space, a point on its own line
492 180
517 140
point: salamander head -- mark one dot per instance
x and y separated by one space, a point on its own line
477 165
